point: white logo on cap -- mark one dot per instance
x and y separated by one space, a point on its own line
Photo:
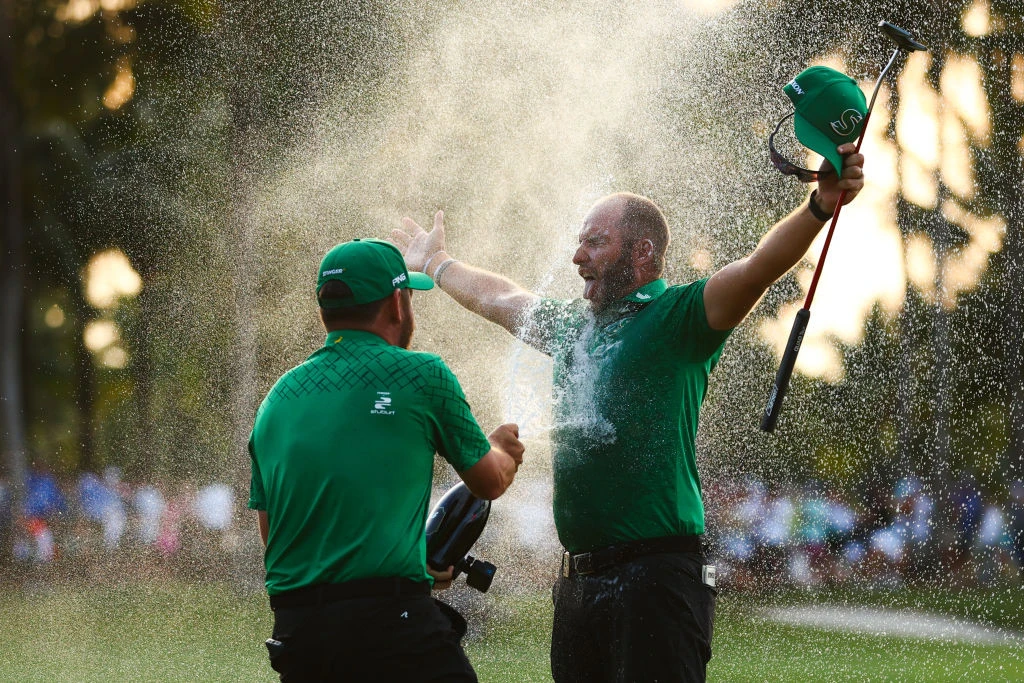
796 87
400 278
847 122
336 271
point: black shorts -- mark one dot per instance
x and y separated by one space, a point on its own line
404 638
649 619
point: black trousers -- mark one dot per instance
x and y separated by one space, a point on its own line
649 619
404 638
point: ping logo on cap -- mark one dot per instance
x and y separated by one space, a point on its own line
397 280
847 122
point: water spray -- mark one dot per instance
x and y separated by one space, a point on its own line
454 525
904 43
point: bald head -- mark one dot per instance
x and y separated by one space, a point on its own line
637 218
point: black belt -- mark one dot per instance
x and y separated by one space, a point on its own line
322 593
602 558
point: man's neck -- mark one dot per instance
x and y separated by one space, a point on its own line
388 333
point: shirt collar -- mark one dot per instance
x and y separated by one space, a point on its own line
649 292
338 336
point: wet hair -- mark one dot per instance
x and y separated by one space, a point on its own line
642 219
357 315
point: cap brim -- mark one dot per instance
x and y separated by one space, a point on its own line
420 281
815 140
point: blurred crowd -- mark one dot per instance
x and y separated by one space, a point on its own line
808 535
762 536
100 514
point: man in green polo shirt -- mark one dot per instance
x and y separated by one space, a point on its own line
342 455
635 601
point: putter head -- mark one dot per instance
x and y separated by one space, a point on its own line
902 37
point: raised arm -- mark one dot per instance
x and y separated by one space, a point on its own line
733 291
487 294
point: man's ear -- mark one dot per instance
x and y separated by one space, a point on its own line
394 306
645 250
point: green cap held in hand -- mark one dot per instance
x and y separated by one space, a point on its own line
830 110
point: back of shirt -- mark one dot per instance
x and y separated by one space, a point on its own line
342 460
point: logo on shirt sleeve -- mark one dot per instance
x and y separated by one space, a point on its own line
382 404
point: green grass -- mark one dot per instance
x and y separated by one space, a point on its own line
749 648
212 632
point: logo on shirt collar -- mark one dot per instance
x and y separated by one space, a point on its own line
650 291
382 404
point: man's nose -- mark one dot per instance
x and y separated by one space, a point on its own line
580 256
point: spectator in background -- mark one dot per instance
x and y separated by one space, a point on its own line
168 541
810 565
149 506
101 503
774 536
1015 522
37 543
214 506
6 519
43 498
967 509
989 546
44 504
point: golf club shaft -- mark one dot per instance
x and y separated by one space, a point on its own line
831 228
796 335
803 316
842 195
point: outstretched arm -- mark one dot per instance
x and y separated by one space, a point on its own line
487 294
733 291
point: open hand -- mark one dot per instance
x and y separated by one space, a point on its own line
419 247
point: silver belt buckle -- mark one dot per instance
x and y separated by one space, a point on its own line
708 575
566 563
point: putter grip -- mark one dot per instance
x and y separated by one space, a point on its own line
796 338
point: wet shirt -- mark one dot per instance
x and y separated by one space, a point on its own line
342 455
628 386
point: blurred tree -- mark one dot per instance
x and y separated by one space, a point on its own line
13 444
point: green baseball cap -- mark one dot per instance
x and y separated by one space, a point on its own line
372 269
830 110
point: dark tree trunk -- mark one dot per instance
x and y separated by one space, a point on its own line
1004 169
85 387
12 272
996 54
243 102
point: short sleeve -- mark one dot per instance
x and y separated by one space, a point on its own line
257 496
688 322
548 323
458 437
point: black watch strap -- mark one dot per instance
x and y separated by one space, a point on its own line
816 210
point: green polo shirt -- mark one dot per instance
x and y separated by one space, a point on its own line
628 386
342 455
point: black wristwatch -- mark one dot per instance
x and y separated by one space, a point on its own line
816 210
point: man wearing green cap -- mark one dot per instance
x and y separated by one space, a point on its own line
342 455
635 597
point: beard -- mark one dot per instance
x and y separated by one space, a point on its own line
616 281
